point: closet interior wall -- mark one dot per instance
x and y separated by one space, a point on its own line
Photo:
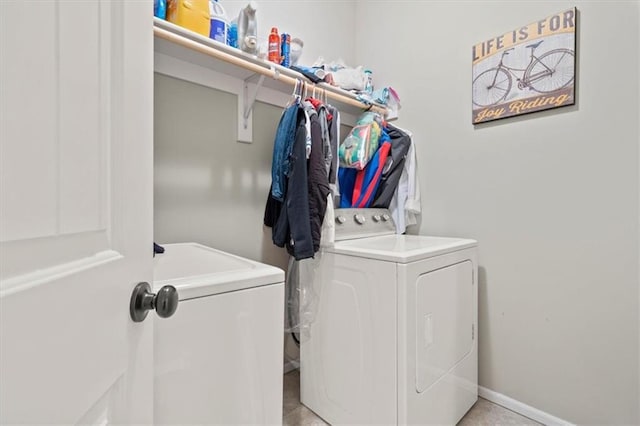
208 187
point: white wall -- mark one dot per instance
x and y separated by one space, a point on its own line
208 187
553 197
325 27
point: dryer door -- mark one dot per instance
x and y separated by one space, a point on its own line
444 321
437 346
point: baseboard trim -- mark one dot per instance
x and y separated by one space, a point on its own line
521 408
291 365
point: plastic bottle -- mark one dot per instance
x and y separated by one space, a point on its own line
232 33
248 29
191 14
285 49
160 9
296 50
274 46
219 22
368 86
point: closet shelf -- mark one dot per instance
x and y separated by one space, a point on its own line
183 44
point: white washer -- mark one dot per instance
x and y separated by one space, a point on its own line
218 359
393 335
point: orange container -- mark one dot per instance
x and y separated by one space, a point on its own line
273 51
190 14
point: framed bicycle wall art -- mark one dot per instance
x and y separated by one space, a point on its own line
529 69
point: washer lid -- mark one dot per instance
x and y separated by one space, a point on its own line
197 270
401 248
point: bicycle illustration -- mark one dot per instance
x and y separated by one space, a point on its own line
551 71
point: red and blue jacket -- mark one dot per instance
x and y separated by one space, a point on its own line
358 187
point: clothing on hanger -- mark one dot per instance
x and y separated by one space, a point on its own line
289 218
394 178
367 182
400 143
282 146
318 179
331 159
405 205
303 178
309 111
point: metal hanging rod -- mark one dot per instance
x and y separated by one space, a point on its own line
259 69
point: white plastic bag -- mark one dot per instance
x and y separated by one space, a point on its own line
350 78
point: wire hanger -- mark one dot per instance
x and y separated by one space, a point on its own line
295 88
295 97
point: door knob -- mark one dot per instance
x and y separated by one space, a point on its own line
165 302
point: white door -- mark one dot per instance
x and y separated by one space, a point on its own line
75 210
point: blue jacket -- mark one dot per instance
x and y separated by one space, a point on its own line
289 219
285 135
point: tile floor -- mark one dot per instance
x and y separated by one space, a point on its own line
483 413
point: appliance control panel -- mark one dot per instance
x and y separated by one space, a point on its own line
360 223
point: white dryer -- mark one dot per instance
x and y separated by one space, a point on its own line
393 336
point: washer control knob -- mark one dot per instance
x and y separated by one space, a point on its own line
341 219
385 217
359 218
376 218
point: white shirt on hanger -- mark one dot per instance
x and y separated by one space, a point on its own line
405 204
